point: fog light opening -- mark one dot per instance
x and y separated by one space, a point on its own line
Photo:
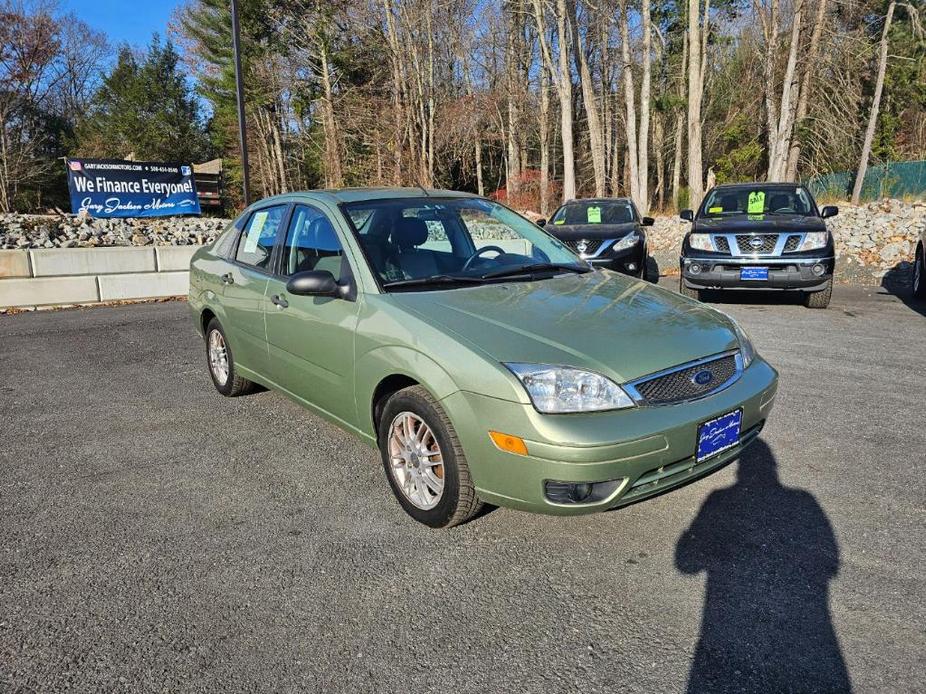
632 267
694 269
571 493
818 269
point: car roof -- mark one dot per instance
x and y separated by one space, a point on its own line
753 184
347 195
578 200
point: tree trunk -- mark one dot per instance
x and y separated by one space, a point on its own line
544 143
875 107
513 170
643 148
633 162
788 108
334 177
770 29
596 141
679 127
695 86
794 154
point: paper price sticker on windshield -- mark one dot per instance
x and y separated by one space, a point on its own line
257 226
756 202
593 214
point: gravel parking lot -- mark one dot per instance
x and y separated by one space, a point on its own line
158 537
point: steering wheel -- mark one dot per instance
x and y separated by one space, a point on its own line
469 261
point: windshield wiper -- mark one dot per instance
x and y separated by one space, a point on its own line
535 267
434 279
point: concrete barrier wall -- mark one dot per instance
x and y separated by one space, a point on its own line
66 276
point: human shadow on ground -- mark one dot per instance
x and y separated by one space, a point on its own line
769 554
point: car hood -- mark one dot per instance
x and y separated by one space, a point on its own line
618 326
759 224
569 232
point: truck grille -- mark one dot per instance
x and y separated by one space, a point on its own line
591 245
756 243
720 242
792 244
680 385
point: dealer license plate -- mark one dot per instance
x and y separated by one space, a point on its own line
719 434
753 273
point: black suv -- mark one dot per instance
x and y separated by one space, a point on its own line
606 232
759 236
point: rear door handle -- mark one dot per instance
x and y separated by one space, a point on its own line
228 279
279 301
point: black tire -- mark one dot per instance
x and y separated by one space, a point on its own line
820 299
919 274
234 384
687 291
458 502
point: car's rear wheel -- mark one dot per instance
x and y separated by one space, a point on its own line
919 274
222 364
424 461
820 299
688 291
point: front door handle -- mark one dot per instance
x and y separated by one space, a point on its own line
279 301
227 278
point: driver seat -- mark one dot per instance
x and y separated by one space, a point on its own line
407 234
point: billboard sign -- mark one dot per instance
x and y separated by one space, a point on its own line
117 188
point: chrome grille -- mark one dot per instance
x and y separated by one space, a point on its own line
721 244
765 244
591 245
680 385
792 244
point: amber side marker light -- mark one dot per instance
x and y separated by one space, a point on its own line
508 443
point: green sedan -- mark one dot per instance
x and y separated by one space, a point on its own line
485 361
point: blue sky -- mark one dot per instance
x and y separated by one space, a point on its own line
130 21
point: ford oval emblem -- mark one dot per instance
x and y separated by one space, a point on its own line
702 378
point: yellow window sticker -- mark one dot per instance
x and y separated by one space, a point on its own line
756 202
715 210
593 214
257 226
560 221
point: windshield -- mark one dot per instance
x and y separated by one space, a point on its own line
447 241
596 212
757 200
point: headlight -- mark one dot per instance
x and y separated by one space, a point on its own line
701 242
746 348
629 241
813 240
559 389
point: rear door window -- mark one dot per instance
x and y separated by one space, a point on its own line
255 246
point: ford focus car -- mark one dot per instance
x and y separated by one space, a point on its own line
484 359
605 232
767 236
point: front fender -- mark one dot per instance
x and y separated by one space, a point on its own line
394 360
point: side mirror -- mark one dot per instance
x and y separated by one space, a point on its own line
647 221
687 215
541 222
829 211
313 283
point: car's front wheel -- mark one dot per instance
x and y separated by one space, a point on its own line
820 299
424 461
919 274
222 363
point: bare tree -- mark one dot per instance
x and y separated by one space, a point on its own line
695 91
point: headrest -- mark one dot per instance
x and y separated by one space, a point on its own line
409 232
779 201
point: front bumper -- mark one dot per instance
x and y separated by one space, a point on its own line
723 272
630 261
647 450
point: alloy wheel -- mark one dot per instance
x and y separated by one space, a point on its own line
416 461
218 357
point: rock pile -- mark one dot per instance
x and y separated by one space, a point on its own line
20 231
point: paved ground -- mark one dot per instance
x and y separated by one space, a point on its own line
156 536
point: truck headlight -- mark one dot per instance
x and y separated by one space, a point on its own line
814 240
629 241
701 242
747 351
560 389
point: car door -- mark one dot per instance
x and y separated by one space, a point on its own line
311 338
245 285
